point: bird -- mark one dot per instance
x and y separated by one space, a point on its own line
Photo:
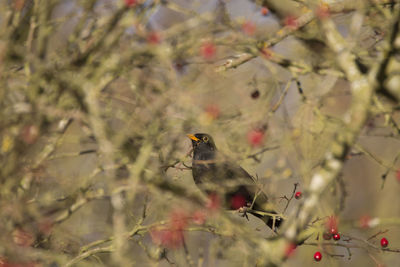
216 174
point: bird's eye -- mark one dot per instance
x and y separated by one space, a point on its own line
205 139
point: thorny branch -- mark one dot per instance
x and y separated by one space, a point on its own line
117 76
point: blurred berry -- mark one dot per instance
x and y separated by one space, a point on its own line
249 28
214 202
255 137
5 263
213 111
290 250
327 236
167 237
291 22
153 38
208 50
178 220
199 217
364 221
130 3
322 11
29 134
172 234
332 225
255 94
264 11
19 4
298 195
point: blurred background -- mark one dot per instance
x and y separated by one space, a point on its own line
97 98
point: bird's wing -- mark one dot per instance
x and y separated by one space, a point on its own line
238 176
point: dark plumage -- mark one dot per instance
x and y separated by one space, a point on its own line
214 173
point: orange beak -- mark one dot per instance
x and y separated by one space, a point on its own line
191 136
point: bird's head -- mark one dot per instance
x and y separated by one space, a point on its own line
202 142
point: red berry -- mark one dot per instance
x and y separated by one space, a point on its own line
336 237
322 11
172 234
264 11
214 202
208 50
212 111
298 195
291 22
331 224
167 237
29 134
178 220
290 249
398 175
384 242
364 221
317 256
238 201
130 3
19 5
255 94
255 137
249 28
199 217
153 38
327 236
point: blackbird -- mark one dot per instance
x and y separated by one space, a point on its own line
216 175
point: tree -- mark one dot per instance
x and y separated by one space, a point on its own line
97 97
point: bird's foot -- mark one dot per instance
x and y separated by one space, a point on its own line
243 212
